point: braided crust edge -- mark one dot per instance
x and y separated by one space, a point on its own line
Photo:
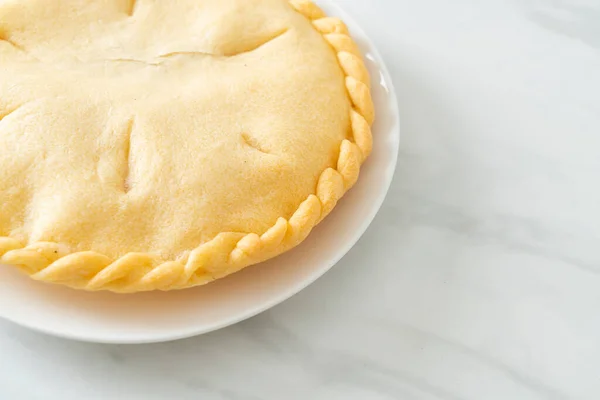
227 252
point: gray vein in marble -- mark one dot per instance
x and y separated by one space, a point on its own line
345 365
527 236
566 17
519 377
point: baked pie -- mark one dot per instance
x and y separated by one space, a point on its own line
158 145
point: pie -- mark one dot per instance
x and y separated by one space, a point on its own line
158 145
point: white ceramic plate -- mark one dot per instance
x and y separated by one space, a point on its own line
158 317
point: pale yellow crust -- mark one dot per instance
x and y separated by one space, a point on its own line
228 252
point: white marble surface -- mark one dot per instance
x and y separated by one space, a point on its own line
479 280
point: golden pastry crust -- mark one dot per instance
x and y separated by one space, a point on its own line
229 251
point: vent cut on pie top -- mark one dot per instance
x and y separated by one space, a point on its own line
158 145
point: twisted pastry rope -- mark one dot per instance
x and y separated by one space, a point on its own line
227 252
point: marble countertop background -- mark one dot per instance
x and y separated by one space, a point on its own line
480 278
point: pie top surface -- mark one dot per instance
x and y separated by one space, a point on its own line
152 127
